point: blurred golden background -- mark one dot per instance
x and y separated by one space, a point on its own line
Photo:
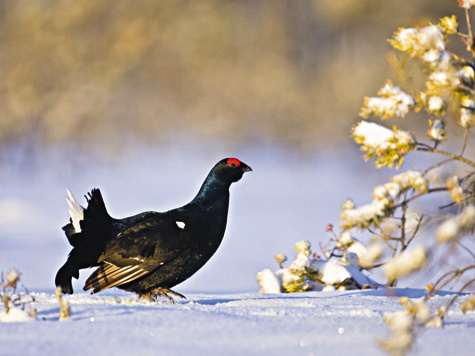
109 73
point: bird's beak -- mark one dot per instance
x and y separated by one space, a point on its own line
247 169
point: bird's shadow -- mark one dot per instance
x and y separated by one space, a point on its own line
212 302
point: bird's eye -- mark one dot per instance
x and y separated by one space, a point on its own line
232 165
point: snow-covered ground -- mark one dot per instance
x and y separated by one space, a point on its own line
311 323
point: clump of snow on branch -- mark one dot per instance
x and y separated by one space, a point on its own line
392 101
467 112
457 226
407 262
308 271
455 189
436 131
14 306
405 323
384 198
388 147
426 42
468 305
466 4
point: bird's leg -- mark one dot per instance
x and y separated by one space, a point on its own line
164 292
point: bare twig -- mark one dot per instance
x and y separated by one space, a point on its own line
467 39
416 230
425 148
450 275
470 34
465 140
458 294
403 223
433 190
437 165
466 249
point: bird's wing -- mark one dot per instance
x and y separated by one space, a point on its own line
136 252
109 275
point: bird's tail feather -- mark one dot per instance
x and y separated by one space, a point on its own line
76 212
88 232
90 227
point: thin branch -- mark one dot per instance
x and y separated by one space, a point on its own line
452 275
470 34
466 88
465 139
416 230
466 249
377 265
421 146
437 287
468 38
464 146
447 205
458 294
425 148
325 252
464 200
432 190
437 165
403 223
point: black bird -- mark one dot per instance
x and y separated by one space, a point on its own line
151 252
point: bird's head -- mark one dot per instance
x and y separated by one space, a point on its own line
223 174
230 169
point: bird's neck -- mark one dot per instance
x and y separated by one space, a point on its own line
212 201
213 191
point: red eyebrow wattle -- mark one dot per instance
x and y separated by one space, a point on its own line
233 161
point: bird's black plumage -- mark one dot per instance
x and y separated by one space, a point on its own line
151 252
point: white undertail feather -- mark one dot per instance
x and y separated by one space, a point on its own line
75 210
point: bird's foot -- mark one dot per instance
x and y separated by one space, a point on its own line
160 291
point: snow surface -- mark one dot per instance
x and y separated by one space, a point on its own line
15 315
310 323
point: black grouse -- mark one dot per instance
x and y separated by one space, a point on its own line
151 252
